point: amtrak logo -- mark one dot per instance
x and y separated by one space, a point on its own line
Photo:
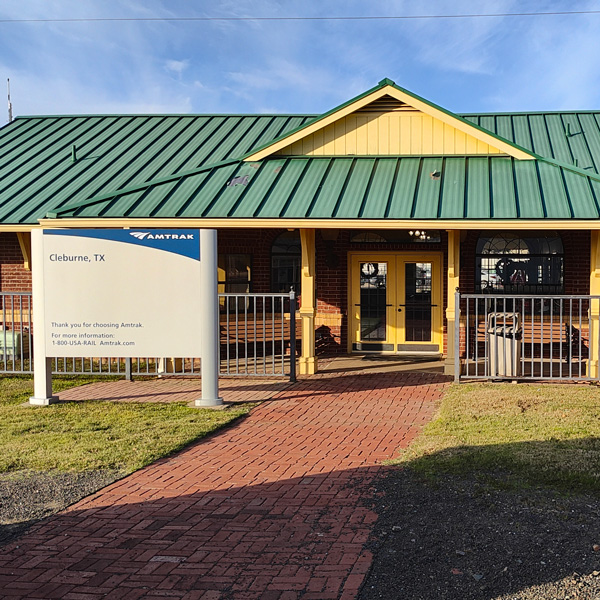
146 235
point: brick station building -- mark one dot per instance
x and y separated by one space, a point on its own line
374 212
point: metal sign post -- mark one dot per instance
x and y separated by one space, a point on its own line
209 320
42 365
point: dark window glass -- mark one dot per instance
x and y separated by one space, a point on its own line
235 273
418 286
373 301
519 263
286 256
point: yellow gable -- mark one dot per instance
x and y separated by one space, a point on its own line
388 126
389 120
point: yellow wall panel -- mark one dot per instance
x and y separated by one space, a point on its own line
340 137
449 137
471 145
416 134
373 137
427 134
394 134
391 133
329 140
437 134
351 147
361 135
460 142
318 140
384 134
298 147
405 135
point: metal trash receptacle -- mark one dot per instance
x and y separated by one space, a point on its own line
504 332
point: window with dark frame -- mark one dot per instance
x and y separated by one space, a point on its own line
519 263
286 258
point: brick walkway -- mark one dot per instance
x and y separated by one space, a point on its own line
272 508
174 389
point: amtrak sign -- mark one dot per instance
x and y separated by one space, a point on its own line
122 292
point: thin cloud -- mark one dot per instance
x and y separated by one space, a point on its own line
293 67
177 66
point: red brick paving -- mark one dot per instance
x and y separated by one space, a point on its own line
174 389
275 507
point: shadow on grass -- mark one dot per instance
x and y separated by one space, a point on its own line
490 522
566 465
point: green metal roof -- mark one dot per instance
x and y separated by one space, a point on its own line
180 165
569 137
37 171
369 188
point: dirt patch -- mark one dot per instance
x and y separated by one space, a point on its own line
28 496
461 540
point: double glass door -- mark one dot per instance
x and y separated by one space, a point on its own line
396 302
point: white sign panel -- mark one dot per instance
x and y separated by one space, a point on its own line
122 292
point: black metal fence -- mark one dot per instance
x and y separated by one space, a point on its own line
257 338
527 337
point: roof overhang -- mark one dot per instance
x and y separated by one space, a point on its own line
449 224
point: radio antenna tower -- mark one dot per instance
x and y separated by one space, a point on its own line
10 115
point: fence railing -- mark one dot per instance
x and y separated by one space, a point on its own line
257 338
527 337
16 330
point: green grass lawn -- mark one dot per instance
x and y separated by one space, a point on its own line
82 436
514 436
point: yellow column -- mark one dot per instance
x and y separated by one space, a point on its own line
25 244
594 304
308 360
453 283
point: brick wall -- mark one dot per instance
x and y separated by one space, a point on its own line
332 271
13 275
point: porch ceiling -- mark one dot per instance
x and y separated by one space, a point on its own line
366 188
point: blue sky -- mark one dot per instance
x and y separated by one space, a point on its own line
470 65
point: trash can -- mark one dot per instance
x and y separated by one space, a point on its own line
504 332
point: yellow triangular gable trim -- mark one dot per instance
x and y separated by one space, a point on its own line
418 104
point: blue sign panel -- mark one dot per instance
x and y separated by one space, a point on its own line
185 242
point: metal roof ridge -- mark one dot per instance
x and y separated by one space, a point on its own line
99 115
521 113
568 167
53 214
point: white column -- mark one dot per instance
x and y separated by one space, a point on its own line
42 366
209 319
